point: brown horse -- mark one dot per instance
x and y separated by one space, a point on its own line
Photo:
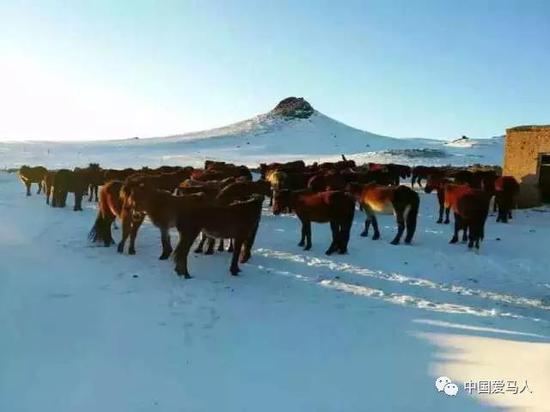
336 207
470 207
30 175
376 198
438 182
506 190
238 220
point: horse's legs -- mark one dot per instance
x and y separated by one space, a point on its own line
234 268
247 245
187 237
230 247
374 221
166 245
458 226
335 229
199 247
135 225
28 186
221 246
365 231
39 188
399 215
308 235
345 228
447 211
77 201
304 232
126 219
210 246
466 228
441 200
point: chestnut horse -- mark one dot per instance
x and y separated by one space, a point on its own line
109 208
336 207
438 182
238 220
506 190
376 198
470 207
30 175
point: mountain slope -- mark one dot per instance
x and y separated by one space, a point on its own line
265 138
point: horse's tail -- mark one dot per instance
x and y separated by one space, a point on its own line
412 215
101 231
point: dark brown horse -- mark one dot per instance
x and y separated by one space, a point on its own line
30 175
238 220
96 178
161 207
68 181
402 200
438 182
470 207
336 207
506 190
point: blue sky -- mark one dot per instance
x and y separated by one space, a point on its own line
416 68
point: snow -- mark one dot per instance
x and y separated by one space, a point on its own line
87 329
265 138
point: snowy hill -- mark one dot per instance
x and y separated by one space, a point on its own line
267 137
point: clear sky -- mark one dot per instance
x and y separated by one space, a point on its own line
413 68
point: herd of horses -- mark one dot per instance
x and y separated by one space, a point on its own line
222 201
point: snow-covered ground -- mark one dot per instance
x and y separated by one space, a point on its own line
265 138
86 329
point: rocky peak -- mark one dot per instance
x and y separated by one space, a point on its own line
293 107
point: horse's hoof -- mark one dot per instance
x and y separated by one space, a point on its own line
376 237
131 252
209 252
119 249
307 247
447 222
197 251
301 244
364 234
394 242
164 257
343 252
439 221
408 241
453 240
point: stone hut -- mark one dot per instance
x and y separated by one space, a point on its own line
527 158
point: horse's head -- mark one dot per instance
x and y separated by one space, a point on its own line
281 201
